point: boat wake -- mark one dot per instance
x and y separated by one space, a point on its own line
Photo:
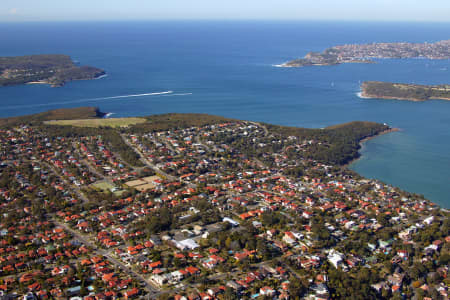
183 94
166 93
128 96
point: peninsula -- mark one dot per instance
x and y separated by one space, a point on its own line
404 91
364 53
53 69
194 206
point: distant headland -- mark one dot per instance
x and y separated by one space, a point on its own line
53 69
364 53
404 91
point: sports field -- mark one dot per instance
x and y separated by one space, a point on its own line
112 122
107 187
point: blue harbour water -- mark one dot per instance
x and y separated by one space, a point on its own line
227 68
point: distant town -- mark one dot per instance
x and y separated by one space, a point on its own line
203 207
364 53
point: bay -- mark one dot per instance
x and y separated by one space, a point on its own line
227 68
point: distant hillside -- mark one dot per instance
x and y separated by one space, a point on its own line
339 144
57 114
177 120
53 69
403 91
335 145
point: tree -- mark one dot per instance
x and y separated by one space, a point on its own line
230 294
228 242
298 287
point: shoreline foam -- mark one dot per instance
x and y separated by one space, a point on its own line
359 94
37 82
101 76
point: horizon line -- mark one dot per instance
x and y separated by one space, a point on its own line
221 20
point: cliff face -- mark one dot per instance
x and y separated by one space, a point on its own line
402 91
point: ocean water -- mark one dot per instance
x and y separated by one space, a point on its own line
227 68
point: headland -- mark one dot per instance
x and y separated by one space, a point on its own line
404 91
198 200
365 53
52 69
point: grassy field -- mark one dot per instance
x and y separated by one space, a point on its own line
106 187
113 122
56 114
103 185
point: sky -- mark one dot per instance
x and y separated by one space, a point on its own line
349 10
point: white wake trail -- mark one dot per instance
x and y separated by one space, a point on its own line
89 100
182 94
129 96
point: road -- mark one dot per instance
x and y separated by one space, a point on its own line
146 161
153 290
198 141
149 287
155 168
266 131
75 188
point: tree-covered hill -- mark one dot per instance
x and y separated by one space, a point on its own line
53 69
403 91
336 145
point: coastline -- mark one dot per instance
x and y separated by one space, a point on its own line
366 53
361 143
37 82
53 85
288 65
291 64
366 96
360 95
404 91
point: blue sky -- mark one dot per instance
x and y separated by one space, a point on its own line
370 10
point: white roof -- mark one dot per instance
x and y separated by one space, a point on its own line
189 243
